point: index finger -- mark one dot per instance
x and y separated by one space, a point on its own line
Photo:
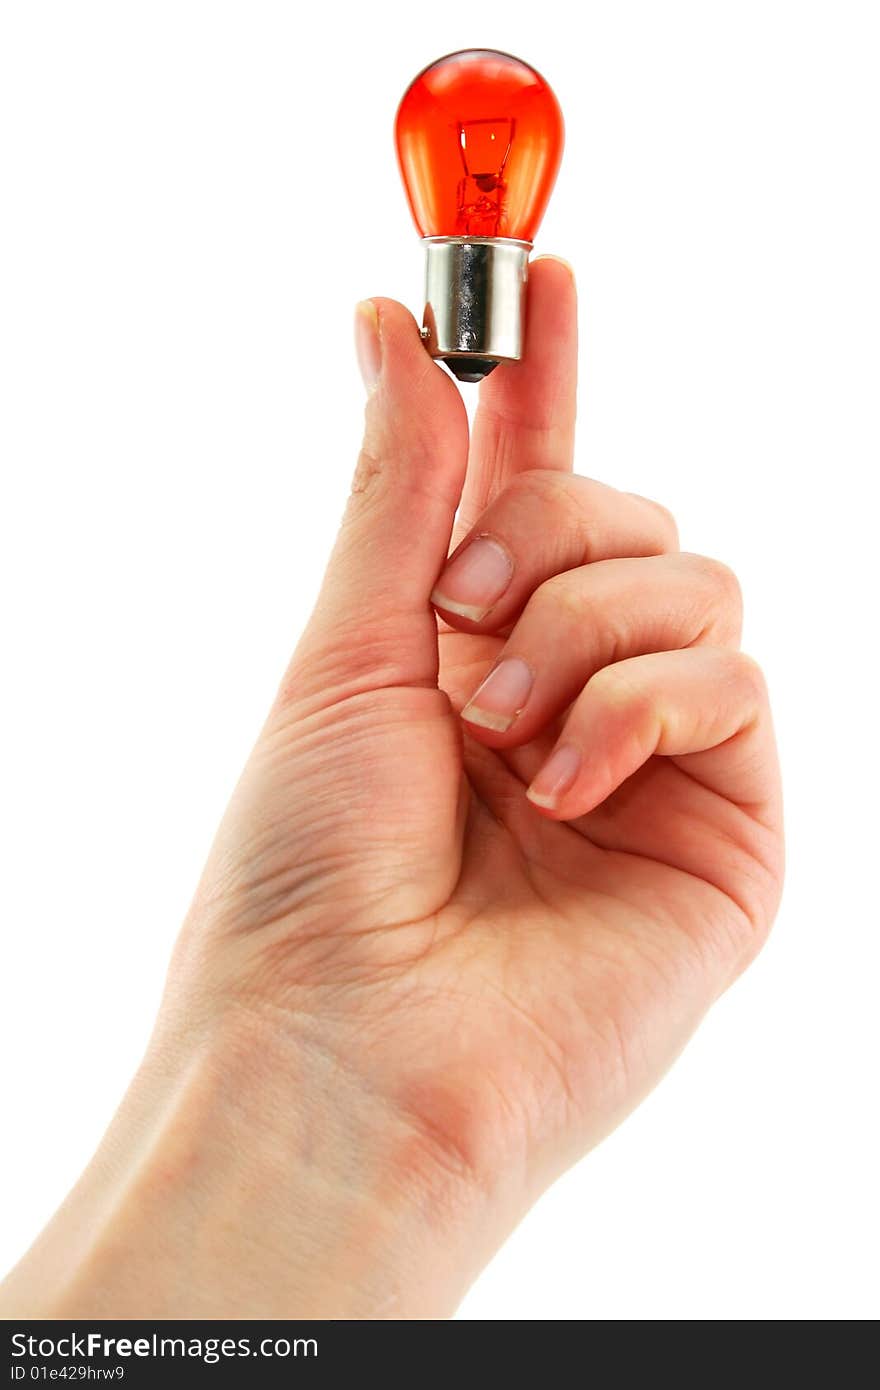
526 413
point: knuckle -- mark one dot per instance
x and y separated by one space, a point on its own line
617 685
570 492
663 518
750 676
368 472
386 468
580 509
668 524
559 597
543 485
718 576
758 895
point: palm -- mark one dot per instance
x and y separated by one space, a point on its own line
554 984
529 976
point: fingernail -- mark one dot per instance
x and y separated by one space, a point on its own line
559 259
501 697
555 777
367 344
474 579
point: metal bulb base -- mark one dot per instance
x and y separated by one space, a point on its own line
475 299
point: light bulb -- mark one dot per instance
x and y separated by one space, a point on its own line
479 138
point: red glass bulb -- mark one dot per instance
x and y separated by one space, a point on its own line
479 139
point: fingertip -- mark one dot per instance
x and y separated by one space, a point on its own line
552 307
401 336
473 581
546 805
413 405
548 264
540 389
464 615
411 376
368 346
551 788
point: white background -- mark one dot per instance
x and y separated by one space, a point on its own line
193 197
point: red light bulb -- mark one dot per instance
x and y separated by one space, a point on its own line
479 139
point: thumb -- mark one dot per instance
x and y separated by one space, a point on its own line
373 623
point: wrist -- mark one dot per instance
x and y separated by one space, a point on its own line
249 1174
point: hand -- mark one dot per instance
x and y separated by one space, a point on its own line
480 880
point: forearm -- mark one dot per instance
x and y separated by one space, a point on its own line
250 1176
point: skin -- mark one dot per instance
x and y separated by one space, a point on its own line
417 980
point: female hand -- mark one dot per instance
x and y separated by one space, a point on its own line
479 882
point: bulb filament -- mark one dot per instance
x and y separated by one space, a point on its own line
484 146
